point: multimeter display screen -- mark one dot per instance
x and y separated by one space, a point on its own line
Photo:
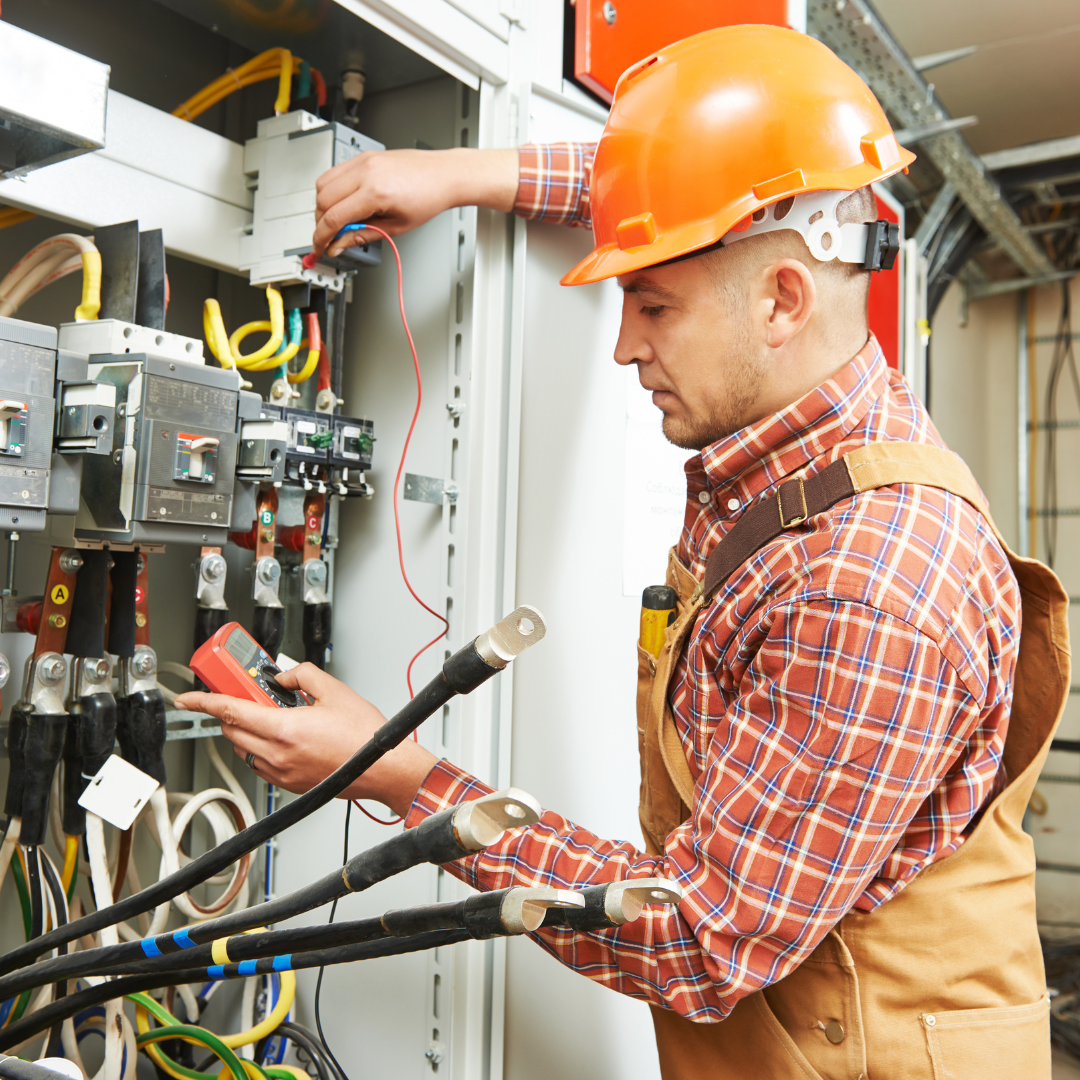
242 647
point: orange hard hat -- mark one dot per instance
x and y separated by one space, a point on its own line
709 130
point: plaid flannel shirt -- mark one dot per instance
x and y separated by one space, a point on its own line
553 183
843 705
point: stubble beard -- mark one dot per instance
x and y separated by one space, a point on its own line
746 374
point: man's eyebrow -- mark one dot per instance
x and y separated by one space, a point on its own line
642 283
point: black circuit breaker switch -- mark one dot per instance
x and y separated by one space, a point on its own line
309 436
353 443
27 412
196 457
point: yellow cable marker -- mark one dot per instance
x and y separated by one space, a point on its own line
219 950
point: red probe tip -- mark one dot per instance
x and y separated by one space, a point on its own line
309 260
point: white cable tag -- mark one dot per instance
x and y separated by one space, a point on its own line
286 662
118 792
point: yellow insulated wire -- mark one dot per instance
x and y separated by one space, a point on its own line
274 63
10 215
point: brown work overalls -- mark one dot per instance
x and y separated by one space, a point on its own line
945 980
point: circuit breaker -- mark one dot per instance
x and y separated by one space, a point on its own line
27 409
282 164
170 474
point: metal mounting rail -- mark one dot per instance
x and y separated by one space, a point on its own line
857 34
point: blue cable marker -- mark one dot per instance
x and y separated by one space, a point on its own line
180 937
283 963
217 971
149 947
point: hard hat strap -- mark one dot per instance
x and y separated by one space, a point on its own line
812 215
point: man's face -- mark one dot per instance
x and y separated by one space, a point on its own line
693 349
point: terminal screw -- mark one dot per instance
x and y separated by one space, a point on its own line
144 662
53 669
71 562
57 620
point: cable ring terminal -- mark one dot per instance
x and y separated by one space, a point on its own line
523 909
481 823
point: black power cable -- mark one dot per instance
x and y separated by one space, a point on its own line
462 673
318 984
434 840
58 1011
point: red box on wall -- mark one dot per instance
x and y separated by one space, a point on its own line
610 35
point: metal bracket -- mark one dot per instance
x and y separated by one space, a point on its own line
315 576
266 582
90 676
210 571
429 489
138 672
45 677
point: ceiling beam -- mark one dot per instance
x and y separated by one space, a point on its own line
856 33
1033 153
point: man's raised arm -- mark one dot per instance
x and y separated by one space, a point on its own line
399 190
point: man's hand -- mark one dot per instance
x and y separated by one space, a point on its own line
296 748
399 190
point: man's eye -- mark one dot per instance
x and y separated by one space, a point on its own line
652 312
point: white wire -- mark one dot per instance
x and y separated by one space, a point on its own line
247 1014
159 804
7 849
30 282
231 782
102 886
195 804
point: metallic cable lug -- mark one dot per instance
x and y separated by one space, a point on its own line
624 900
510 637
523 909
481 823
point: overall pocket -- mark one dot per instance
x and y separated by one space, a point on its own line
1005 1043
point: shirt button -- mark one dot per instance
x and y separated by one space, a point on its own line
733 504
834 1032
704 497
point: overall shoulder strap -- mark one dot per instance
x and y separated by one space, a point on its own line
876 465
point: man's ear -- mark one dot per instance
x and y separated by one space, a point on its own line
790 295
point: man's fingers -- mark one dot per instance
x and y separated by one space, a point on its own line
309 678
233 711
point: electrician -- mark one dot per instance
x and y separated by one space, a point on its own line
823 739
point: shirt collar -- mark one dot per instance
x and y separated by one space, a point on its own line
753 459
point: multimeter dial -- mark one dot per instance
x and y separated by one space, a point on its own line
232 662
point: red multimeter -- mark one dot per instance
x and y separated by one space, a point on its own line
232 662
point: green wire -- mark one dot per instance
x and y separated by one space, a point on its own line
173 1029
24 900
24 893
199 1035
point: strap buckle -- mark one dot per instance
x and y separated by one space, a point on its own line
799 518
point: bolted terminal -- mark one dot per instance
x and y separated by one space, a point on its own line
510 637
213 567
315 571
71 562
481 823
52 669
268 570
144 662
98 670
523 909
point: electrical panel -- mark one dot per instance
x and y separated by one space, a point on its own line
27 407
